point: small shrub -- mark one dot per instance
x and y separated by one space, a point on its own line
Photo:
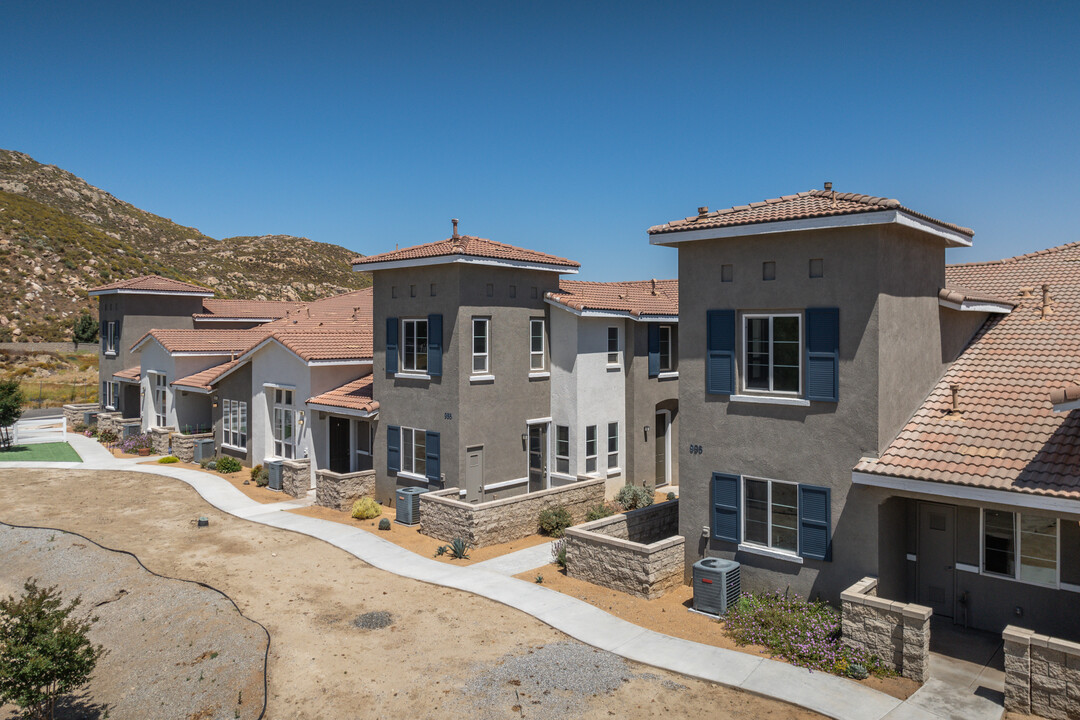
459 549
539 580
226 465
212 465
597 512
857 671
672 496
441 550
169 459
107 437
384 524
79 427
255 472
632 497
260 476
554 521
205 462
558 553
365 509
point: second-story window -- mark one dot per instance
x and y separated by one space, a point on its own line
414 349
667 361
112 337
613 345
536 344
481 342
771 353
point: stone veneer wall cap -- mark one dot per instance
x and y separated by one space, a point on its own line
854 598
1065 646
918 612
297 463
441 496
1040 640
1017 634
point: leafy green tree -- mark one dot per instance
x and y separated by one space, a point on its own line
11 402
44 652
86 329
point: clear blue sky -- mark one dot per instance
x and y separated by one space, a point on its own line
568 128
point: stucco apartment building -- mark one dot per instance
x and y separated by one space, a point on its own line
852 406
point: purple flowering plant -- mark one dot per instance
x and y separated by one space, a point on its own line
133 443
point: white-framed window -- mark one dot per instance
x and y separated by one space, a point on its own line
161 400
363 446
536 344
590 449
772 352
481 345
111 335
234 421
110 395
613 355
413 451
562 449
771 514
1020 546
667 359
613 445
284 418
414 349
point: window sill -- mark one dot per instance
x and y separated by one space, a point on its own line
110 353
668 375
614 368
769 552
237 448
614 472
412 376
412 476
770 400
481 378
539 374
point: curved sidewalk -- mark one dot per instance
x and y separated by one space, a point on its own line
827 694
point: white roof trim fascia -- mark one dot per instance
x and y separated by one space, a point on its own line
190 388
972 306
613 313
875 217
464 260
334 410
204 353
1067 406
130 381
326 363
124 291
223 318
967 492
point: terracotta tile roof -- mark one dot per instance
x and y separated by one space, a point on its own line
959 295
216 341
644 297
465 246
221 308
327 345
348 312
151 284
353 395
205 380
1069 393
810 204
1006 435
131 374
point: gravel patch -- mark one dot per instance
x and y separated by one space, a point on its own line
175 649
374 620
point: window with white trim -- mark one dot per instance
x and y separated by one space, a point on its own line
536 344
363 446
413 451
771 515
562 449
414 348
613 445
161 399
772 352
481 351
613 354
284 418
234 420
110 395
112 337
1020 546
667 363
590 449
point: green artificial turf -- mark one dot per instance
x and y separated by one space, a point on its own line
44 452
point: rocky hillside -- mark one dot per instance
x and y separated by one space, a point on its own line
59 236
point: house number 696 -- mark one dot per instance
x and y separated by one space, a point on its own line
696 449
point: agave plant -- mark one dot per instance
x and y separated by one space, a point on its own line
459 549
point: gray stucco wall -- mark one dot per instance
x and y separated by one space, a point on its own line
644 396
235 386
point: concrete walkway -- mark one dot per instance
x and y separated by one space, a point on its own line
827 694
519 561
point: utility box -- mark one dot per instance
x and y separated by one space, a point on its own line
203 449
408 505
90 417
273 469
716 585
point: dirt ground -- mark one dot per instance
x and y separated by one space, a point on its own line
308 593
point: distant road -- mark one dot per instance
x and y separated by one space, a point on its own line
38 413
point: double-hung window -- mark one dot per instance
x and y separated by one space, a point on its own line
234 423
667 363
1020 546
161 399
536 344
590 449
772 349
111 335
771 518
284 424
613 355
413 451
110 395
414 349
481 353
562 449
363 445
613 445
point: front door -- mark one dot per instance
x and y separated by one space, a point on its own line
474 472
339 445
936 557
663 472
537 457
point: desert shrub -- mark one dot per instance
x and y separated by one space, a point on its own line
805 633
554 521
168 459
85 329
226 465
632 497
672 496
255 472
134 443
205 462
596 512
212 465
260 475
558 553
365 509
459 549
384 524
107 437
79 427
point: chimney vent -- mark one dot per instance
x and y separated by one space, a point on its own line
654 287
828 187
1047 308
455 221
954 388
703 211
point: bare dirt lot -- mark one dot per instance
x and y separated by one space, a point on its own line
446 653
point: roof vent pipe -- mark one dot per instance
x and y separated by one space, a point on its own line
654 287
455 221
955 389
1047 303
703 211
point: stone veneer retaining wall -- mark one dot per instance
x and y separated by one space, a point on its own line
445 517
1042 675
74 413
898 633
640 552
340 490
296 477
159 439
183 446
109 421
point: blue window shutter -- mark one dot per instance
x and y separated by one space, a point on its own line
725 497
391 344
393 449
434 474
720 347
823 354
434 346
815 536
654 349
